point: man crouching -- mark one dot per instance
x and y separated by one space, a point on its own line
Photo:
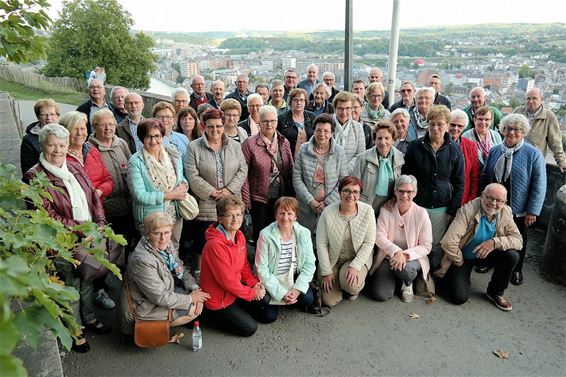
483 233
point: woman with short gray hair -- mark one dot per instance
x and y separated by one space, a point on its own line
319 103
424 99
406 133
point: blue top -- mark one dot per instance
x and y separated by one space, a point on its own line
179 141
484 231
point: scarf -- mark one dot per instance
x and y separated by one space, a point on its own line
301 138
375 114
81 212
420 119
272 148
384 175
169 256
163 176
484 146
505 161
342 130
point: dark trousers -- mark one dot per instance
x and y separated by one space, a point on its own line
200 240
457 280
241 317
303 301
520 222
262 216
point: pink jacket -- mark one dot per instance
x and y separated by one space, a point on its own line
419 236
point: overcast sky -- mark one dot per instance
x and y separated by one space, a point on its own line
312 15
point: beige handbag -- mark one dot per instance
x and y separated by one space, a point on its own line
187 208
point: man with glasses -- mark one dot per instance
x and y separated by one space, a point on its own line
477 100
96 101
407 100
199 94
180 99
482 233
330 81
291 80
241 94
128 128
545 131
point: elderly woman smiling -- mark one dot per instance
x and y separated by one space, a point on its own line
74 202
157 279
404 239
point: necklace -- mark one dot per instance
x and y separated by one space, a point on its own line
318 151
78 155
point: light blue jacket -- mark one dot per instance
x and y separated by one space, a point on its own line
269 251
146 197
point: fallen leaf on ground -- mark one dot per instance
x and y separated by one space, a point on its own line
431 300
414 316
177 338
501 354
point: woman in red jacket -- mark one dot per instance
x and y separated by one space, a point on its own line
237 298
458 123
270 168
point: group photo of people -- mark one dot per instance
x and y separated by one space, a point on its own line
292 196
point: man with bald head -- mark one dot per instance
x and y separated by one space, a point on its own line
128 128
545 131
375 75
477 100
218 89
241 94
311 80
483 233
199 94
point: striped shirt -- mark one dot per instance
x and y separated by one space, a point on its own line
287 250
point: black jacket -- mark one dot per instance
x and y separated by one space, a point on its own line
243 102
440 174
439 99
30 150
85 108
286 126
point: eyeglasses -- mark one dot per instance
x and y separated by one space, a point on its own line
318 131
438 125
343 109
50 115
233 216
219 127
348 192
269 122
514 129
406 90
161 234
164 117
456 125
490 198
376 96
405 192
154 137
104 125
299 100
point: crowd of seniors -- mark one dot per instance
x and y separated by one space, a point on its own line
342 196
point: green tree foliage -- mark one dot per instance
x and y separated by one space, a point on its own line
92 33
32 298
19 21
526 72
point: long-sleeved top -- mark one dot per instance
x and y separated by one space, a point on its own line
30 149
303 176
463 229
497 115
528 178
545 133
473 136
225 273
200 169
268 254
367 170
353 142
440 174
330 237
146 197
115 158
259 168
152 289
95 169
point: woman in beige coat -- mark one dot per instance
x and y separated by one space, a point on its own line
157 281
344 243
215 168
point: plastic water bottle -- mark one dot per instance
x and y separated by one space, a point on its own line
197 338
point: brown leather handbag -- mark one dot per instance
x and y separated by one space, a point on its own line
149 333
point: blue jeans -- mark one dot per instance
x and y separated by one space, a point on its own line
303 301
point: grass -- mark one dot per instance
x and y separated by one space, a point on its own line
20 91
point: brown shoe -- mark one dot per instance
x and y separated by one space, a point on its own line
500 301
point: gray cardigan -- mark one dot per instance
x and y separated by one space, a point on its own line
200 170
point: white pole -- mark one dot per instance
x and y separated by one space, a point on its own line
393 47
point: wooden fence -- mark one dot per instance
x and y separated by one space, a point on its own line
31 79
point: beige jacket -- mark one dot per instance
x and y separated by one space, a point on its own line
545 132
463 229
330 237
152 289
200 170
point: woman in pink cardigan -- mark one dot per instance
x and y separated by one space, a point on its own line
404 239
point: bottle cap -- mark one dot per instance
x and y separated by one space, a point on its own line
196 323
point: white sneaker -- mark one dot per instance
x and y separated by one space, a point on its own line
102 299
407 292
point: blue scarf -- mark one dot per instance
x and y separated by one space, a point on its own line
168 255
384 176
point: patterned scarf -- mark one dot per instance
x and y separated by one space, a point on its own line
272 148
505 161
169 256
375 114
420 119
384 175
163 176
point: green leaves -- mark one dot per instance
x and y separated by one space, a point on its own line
92 33
21 20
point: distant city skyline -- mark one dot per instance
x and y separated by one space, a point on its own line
313 15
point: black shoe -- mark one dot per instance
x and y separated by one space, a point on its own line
98 328
517 278
81 348
481 269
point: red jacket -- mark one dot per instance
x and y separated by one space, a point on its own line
96 170
259 167
60 208
472 170
224 267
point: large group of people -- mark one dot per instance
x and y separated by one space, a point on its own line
341 189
